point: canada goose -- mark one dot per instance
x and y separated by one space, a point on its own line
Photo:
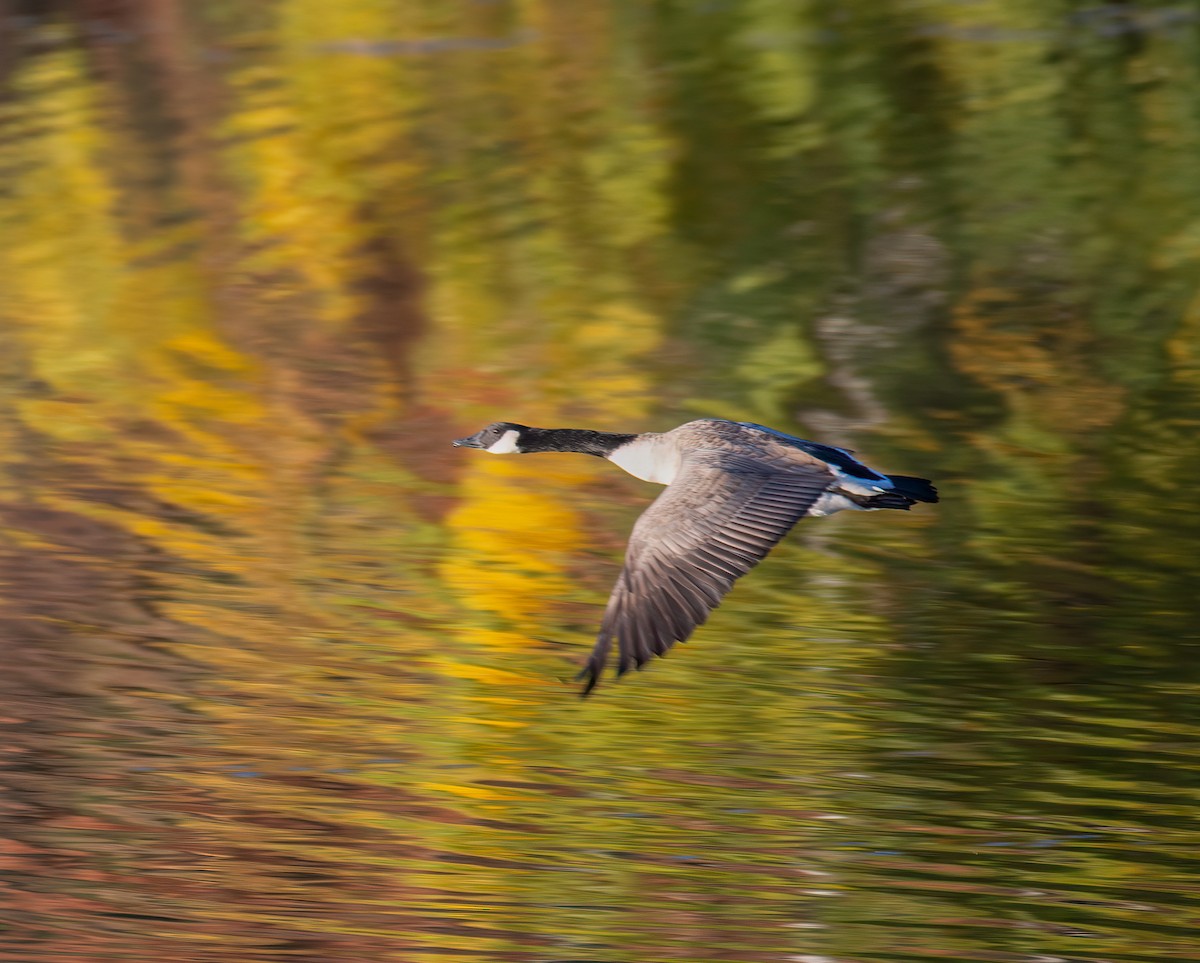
734 490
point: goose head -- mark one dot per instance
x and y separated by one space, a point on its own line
500 438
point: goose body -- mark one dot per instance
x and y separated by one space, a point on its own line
734 489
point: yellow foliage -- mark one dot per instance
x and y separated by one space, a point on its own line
467 792
511 534
484 673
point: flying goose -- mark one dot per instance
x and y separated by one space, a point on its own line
734 489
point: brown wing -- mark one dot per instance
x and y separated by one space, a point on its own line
718 519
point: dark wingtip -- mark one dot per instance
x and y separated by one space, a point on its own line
591 673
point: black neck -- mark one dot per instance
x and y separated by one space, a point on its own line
599 443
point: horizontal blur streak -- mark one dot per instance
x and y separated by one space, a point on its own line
288 677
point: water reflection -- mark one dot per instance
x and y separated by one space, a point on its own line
287 679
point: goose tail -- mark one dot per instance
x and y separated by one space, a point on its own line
917 489
904 493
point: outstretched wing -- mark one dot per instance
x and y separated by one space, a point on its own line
718 519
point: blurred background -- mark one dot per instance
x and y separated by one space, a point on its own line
285 677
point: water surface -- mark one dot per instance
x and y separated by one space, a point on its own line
289 678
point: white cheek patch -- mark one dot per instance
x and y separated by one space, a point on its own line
507 445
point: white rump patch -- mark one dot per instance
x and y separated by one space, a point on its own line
830 503
862 486
507 445
648 460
